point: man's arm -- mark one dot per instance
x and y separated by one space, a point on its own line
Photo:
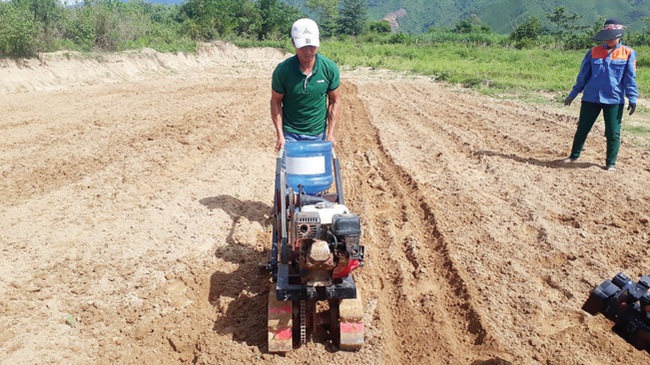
583 76
629 79
332 114
276 116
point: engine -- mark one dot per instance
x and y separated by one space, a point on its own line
325 241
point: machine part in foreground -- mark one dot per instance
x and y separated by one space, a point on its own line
350 327
315 248
627 304
280 323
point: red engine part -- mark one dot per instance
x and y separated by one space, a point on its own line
342 271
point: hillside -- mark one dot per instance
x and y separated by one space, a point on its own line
499 14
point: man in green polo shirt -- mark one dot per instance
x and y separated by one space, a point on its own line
305 90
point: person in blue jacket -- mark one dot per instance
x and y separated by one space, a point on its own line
607 75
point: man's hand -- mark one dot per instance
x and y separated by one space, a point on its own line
330 137
568 100
279 143
631 108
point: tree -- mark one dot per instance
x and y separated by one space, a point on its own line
531 29
565 22
46 16
277 18
17 31
352 17
248 20
327 13
208 19
45 12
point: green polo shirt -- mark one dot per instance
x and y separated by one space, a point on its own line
304 106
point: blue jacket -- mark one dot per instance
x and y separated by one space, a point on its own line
606 78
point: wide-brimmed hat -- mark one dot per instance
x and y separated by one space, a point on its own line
613 29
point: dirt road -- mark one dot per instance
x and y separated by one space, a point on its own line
137 192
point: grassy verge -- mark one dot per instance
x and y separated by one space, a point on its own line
487 68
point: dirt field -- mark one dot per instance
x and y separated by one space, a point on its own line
137 193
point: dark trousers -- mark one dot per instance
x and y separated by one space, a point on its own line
613 115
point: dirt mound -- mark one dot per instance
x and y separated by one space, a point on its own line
137 197
65 69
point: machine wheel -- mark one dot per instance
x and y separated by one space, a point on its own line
349 329
280 323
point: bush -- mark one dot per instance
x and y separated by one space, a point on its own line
398 38
382 26
17 31
578 41
80 29
530 29
526 43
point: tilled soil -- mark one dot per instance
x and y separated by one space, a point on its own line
137 202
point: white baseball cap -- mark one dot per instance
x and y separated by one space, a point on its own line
305 33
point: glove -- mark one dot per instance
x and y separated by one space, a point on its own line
568 100
631 108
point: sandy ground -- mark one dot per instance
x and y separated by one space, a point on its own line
137 191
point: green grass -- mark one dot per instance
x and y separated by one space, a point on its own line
637 129
491 69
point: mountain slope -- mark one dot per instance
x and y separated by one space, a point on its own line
501 15
416 16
